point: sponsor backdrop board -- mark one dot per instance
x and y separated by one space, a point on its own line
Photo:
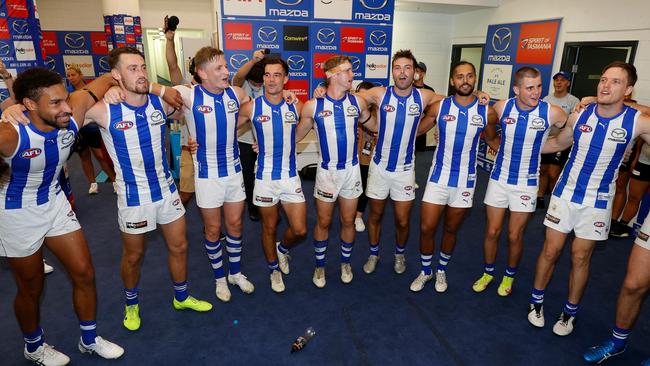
123 30
509 47
310 31
86 50
20 36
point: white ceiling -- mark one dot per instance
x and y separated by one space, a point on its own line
445 6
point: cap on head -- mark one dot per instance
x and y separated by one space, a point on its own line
563 74
422 66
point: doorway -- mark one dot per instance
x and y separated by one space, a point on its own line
586 60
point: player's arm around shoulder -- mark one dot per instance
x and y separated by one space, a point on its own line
367 118
558 116
430 98
562 140
245 113
491 136
98 113
643 127
429 119
306 122
242 96
8 139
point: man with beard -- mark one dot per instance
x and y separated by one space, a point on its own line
134 134
460 119
336 116
34 211
392 169
582 198
525 122
276 180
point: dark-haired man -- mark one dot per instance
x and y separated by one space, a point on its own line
582 198
525 122
450 190
36 153
134 134
392 169
276 180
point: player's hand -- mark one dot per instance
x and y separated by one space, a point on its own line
584 102
289 97
319 92
483 97
173 98
115 95
3 71
15 115
192 145
258 56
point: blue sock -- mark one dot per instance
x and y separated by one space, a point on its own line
346 251
511 271
374 249
537 296
425 259
233 247
33 340
180 291
88 331
443 261
619 337
282 248
320 247
400 249
215 254
273 266
571 309
489 268
131 296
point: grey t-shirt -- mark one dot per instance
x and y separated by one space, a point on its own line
567 103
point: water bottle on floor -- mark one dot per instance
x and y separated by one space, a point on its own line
301 341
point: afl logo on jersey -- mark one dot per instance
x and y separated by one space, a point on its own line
262 118
123 125
323 114
31 153
585 128
448 118
509 121
205 109
389 108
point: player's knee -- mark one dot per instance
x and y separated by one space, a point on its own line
324 222
580 258
402 223
84 276
493 233
451 228
212 232
515 237
550 254
299 231
634 287
178 247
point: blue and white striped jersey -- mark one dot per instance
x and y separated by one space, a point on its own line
135 140
36 165
336 127
274 126
212 120
523 134
398 124
459 127
599 144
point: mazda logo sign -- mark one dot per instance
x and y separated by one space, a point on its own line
356 62
326 35
5 49
267 34
374 4
296 62
237 60
50 63
501 39
74 40
378 37
103 64
20 26
289 2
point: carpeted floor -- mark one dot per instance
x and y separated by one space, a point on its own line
375 320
